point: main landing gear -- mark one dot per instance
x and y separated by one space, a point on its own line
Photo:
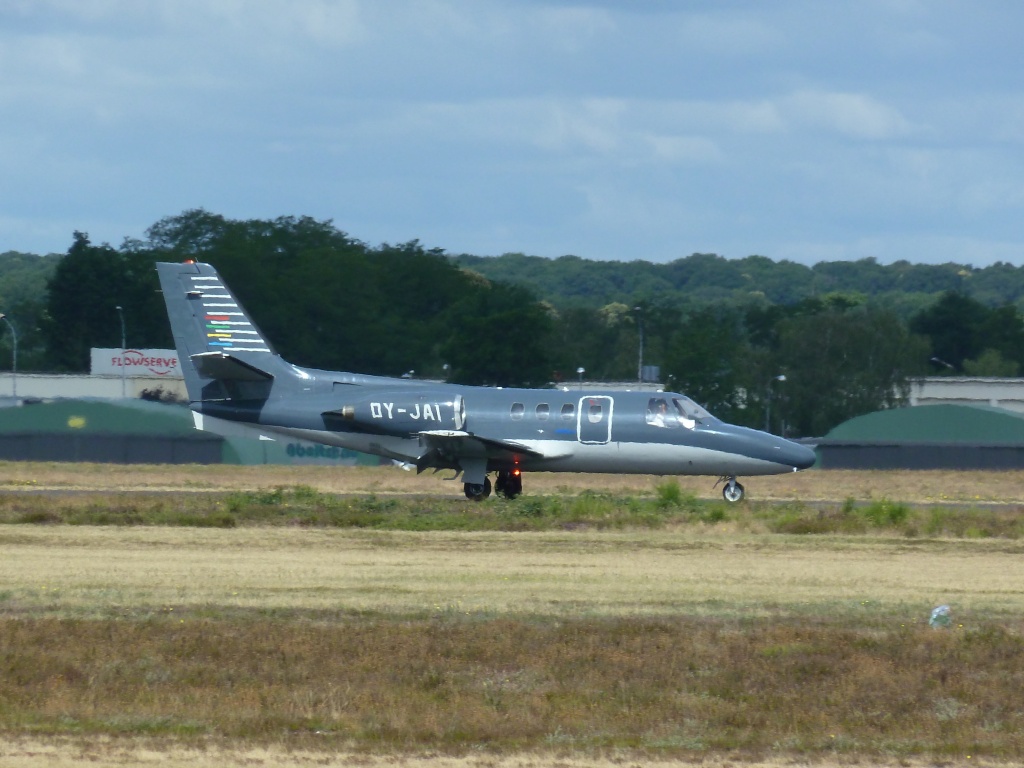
509 483
478 491
732 491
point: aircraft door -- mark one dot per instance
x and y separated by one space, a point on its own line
594 420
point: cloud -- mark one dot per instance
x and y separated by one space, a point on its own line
854 115
728 33
587 126
685 149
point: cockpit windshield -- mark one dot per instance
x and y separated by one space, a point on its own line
690 409
674 411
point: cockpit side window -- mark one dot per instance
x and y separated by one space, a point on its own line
658 414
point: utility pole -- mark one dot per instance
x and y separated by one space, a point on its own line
640 362
120 314
768 401
14 355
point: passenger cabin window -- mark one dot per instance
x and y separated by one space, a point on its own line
595 413
518 409
568 412
543 411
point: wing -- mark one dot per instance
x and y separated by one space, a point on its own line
445 447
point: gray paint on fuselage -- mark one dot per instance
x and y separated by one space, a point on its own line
710 447
242 382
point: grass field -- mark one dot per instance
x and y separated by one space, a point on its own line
835 485
692 638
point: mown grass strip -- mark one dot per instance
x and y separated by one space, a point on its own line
668 508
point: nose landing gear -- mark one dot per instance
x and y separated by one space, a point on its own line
731 491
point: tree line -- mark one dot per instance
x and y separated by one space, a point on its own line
790 356
706 278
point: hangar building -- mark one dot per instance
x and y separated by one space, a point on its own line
142 432
927 437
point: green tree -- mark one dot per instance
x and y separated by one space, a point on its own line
87 286
324 299
991 363
954 325
23 299
961 329
840 364
705 360
500 335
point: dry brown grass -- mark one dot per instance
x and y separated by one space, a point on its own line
835 485
99 571
104 752
674 687
697 646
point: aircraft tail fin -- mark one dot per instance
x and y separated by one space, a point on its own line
223 355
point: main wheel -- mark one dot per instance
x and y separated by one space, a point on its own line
476 491
510 484
732 492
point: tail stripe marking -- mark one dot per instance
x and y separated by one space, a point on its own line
224 334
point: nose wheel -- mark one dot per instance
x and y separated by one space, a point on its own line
733 491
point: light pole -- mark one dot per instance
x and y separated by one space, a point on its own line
120 314
640 363
14 355
579 372
768 401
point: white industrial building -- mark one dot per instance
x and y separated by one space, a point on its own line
968 390
114 373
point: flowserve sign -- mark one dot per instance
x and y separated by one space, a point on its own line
134 363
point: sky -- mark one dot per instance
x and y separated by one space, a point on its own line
638 129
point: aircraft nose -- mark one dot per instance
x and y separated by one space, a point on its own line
799 456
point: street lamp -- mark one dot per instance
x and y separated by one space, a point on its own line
14 355
640 363
768 401
579 372
120 314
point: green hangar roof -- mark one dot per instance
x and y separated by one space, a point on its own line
963 424
133 417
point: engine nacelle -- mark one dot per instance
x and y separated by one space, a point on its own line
401 412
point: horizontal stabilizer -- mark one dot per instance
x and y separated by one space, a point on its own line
224 367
